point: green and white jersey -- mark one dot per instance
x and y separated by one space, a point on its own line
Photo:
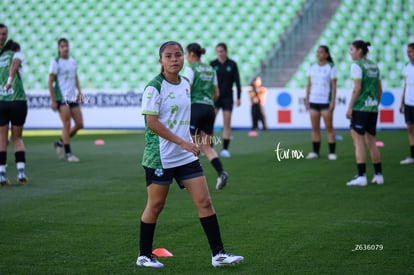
171 103
16 92
202 78
408 74
369 74
65 71
321 77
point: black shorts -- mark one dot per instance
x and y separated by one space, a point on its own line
180 173
409 114
71 104
14 112
362 122
319 106
224 103
202 118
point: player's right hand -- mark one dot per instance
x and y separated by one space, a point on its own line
54 106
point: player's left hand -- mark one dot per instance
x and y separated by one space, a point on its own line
7 87
238 103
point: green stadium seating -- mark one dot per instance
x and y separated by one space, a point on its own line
116 42
385 23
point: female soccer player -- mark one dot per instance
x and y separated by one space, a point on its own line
170 154
257 94
13 107
363 111
63 83
204 91
227 74
407 102
320 100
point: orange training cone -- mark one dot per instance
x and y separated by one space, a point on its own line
162 252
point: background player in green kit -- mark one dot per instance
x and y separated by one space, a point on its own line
363 111
63 83
204 90
13 107
171 154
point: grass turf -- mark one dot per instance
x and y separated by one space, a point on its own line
292 216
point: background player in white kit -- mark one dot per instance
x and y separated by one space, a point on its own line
320 100
407 102
63 83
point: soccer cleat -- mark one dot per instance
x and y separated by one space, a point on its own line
408 160
4 181
225 153
358 181
222 180
378 179
150 261
59 150
21 176
332 156
72 158
312 155
225 258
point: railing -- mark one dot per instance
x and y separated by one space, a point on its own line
290 42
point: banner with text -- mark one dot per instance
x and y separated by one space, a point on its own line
284 108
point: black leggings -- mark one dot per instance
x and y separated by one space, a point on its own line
258 115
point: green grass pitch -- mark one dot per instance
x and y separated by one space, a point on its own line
293 216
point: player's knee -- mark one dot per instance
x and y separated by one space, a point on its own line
205 203
79 125
156 207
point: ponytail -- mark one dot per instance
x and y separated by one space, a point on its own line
363 45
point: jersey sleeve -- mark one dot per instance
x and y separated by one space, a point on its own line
356 72
404 72
189 74
19 55
309 72
53 69
150 101
215 81
334 74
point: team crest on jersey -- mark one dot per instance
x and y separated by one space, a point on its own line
187 92
159 172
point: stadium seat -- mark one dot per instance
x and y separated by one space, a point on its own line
386 25
100 30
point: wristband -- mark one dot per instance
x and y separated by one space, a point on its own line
9 80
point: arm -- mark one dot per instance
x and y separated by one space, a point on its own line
12 72
355 95
333 95
379 91
54 105
308 88
238 85
79 97
157 127
402 99
216 93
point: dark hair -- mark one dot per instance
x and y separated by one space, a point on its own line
3 26
11 46
62 40
326 49
363 45
411 45
164 45
196 49
223 45
168 43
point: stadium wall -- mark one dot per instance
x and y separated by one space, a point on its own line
118 109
